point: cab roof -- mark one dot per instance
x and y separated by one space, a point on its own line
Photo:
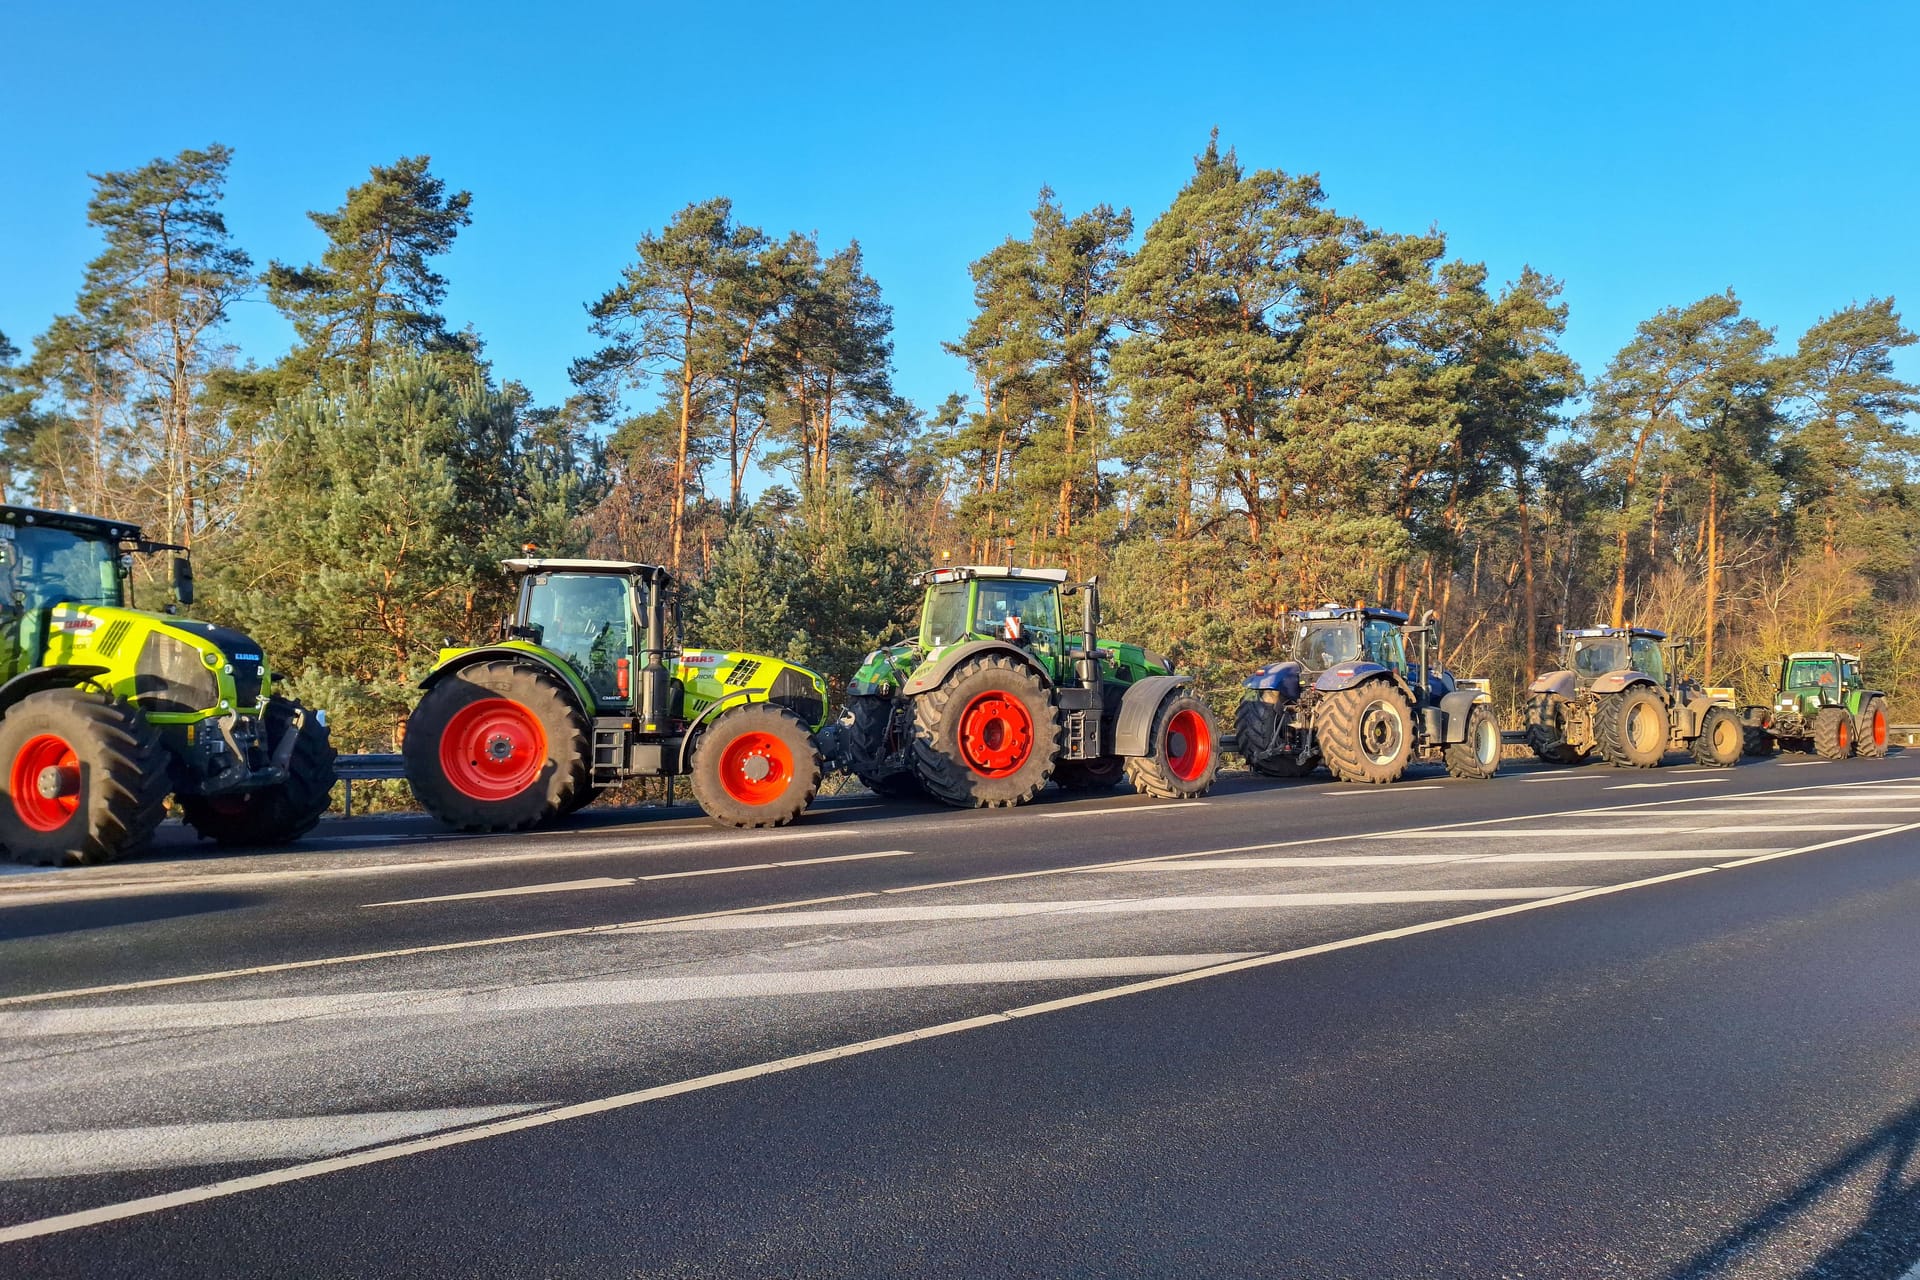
1829 654
1362 613
73 522
1589 632
621 568
963 572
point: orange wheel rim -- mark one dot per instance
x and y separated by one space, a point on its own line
45 782
1189 745
996 734
756 768
493 749
1844 738
1879 728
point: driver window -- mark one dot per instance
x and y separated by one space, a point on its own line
1647 657
1384 645
586 620
1033 603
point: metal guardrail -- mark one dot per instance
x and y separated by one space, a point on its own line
369 768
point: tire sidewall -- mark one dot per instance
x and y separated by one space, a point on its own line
803 780
535 689
940 733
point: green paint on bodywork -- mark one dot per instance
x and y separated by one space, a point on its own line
112 637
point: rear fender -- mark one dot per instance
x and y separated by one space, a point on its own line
583 698
1861 697
933 674
1349 674
1557 682
64 676
1456 707
1283 677
1134 726
1615 681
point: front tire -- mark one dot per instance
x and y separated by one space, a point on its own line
87 779
1366 733
986 737
1870 735
1833 733
1632 727
284 812
1757 742
756 766
1479 756
497 746
1183 751
1722 739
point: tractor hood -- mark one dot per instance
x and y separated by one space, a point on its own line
168 666
884 671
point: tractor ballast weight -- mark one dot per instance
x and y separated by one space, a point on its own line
994 696
589 688
1349 696
106 710
1619 694
1822 704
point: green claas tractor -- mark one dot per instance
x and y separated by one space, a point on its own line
1348 695
589 687
106 710
1821 703
1619 693
995 696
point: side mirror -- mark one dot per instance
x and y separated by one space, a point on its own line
1773 673
183 580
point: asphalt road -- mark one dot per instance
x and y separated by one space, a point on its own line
1582 1023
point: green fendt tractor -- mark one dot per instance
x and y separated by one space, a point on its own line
995 696
1347 694
589 687
1821 703
1619 693
106 710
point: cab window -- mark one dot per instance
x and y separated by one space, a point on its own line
1327 645
1384 645
1810 673
56 566
1034 603
1648 658
944 619
586 619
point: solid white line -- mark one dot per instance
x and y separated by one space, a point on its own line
1393 789
66 1155
1135 808
1562 777
1801 764
1684 782
1424 859
638 1097
1547 833
558 886
1788 810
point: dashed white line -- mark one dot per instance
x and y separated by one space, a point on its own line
1680 782
1132 808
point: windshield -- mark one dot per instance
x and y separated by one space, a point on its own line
1597 655
1320 645
1384 645
52 566
944 618
1811 673
1648 657
1034 603
585 618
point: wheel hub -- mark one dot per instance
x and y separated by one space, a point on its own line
756 768
58 780
499 747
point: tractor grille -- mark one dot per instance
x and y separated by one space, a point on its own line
171 677
109 642
742 673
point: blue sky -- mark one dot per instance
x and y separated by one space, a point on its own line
1644 154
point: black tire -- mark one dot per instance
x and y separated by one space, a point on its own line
548 787
1833 733
1256 733
580 800
1546 729
1632 727
278 814
1870 730
105 804
1102 773
965 699
1366 733
1722 739
1758 742
1479 756
1183 751
756 766
869 720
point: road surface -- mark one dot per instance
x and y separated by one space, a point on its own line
1566 1023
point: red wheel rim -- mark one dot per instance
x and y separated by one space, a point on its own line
1879 728
996 734
755 768
45 782
493 749
1844 738
1189 746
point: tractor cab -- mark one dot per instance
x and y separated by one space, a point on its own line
596 615
995 602
1809 681
1592 652
1324 638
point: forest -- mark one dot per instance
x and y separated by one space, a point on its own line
1248 401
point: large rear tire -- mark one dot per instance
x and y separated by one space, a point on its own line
1870 734
1257 734
87 779
282 813
1632 727
497 746
1546 730
1183 751
1479 756
1722 739
987 736
1833 733
1366 733
1756 741
756 766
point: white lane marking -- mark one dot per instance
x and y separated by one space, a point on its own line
1393 789
1561 777
162 1146
1788 810
1447 833
1425 859
623 1101
1805 826
1617 855
1096 906
1135 808
1801 764
1644 786
586 993
621 882
498 940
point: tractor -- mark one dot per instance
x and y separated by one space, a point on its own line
995 696
587 686
1619 693
106 710
1347 695
1821 703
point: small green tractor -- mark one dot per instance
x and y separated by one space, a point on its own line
106 710
995 696
1821 704
1619 693
589 687
1347 695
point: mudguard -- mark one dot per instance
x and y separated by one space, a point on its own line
582 696
931 675
1282 676
63 676
1560 682
1349 674
1455 707
1138 707
1615 681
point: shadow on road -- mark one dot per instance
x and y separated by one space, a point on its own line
1881 1171
39 920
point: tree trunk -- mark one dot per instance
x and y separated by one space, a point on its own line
1713 567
